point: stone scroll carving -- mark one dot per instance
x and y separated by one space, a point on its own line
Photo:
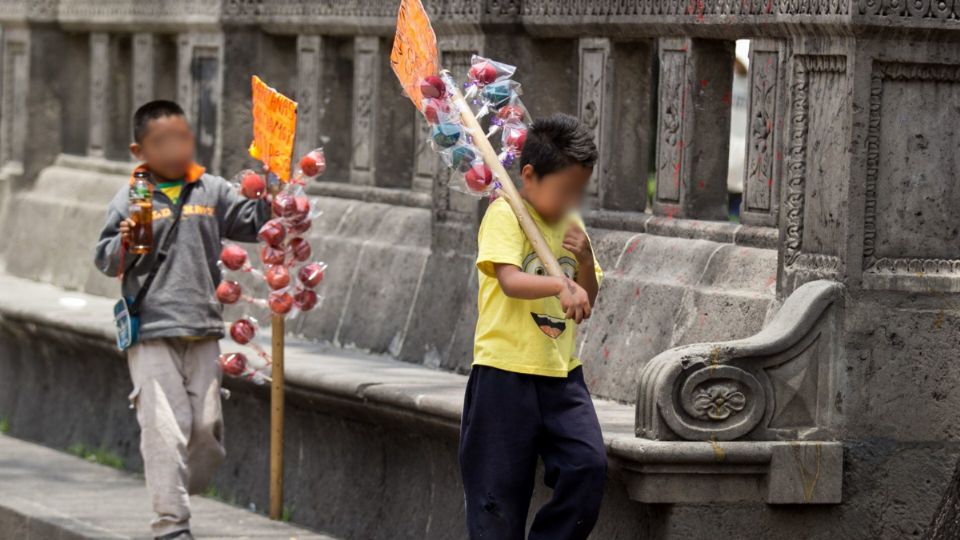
775 385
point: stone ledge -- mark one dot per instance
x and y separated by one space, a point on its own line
47 495
385 390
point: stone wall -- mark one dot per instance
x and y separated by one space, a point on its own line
850 175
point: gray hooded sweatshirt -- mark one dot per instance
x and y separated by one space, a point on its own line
181 301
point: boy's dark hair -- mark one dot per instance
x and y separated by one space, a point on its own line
150 111
557 142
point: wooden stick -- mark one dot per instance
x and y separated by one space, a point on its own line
507 190
276 421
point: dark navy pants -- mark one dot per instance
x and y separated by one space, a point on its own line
510 419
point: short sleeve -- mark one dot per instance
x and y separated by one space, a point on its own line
500 240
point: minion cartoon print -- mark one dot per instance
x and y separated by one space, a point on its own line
552 325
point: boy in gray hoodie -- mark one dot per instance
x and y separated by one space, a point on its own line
174 364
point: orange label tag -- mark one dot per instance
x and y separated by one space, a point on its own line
274 127
414 54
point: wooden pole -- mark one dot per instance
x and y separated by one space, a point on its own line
276 420
508 191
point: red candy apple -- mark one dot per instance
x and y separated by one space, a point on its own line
314 163
273 232
478 178
305 299
243 331
278 277
271 255
311 275
284 204
233 256
297 228
432 87
280 302
483 72
253 186
300 249
233 364
228 292
301 209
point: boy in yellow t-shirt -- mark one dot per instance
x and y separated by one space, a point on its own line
526 397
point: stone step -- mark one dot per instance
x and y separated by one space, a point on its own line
49 495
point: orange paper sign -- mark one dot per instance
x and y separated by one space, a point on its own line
274 126
414 54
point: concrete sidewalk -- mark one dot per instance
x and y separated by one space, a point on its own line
48 495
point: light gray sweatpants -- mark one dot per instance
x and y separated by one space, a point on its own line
176 391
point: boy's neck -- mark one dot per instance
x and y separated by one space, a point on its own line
526 198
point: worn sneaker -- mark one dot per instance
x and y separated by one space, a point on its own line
179 535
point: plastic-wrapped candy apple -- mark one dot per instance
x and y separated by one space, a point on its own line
445 135
280 302
314 163
278 277
462 158
514 136
233 364
432 87
284 204
311 274
243 331
434 109
305 299
302 209
478 178
300 249
299 227
252 185
498 94
483 72
228 292
271 255
234 257
511 113
273 232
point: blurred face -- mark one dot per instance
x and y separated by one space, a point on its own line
554 195
167 147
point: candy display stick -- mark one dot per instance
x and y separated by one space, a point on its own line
506 188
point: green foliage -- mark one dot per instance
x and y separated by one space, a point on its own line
287 514
4 426
96 455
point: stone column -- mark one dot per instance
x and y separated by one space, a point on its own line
693 132
766 117
199 89
366 103
98 132
614 103
143 68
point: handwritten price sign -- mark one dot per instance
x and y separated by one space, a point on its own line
414 55
274 127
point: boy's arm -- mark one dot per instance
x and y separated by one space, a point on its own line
109 246
577 242
515 283
242 217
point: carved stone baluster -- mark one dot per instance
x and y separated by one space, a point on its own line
309 104
14 87
614 103
143 68
200 80
98 131
693 131
366 94
764 154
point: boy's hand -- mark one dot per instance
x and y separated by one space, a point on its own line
574 300
125 227
576 242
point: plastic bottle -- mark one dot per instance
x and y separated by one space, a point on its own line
141 212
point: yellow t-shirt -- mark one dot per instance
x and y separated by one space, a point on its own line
522 336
